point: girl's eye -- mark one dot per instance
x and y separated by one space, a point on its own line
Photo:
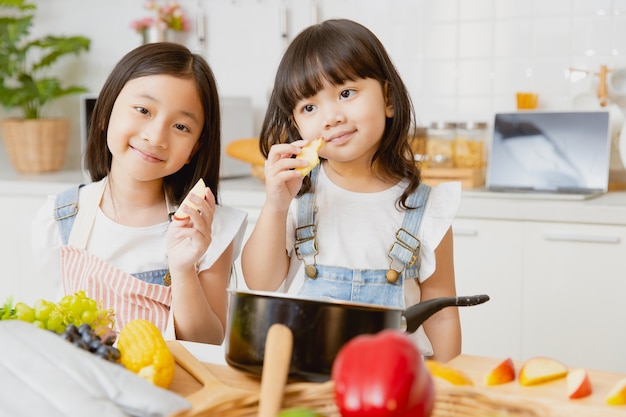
181 127
142 110
308 108
347 93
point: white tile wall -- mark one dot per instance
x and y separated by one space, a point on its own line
461 59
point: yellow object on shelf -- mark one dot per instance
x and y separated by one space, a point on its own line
247 150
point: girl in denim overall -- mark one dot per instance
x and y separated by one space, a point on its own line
360 227
154 132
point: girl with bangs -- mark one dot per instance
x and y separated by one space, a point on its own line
360 227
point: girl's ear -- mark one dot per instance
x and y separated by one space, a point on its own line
389 111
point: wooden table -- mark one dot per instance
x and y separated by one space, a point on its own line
552 395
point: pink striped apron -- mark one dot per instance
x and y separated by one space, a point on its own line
129 297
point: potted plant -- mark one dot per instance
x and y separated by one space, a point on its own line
34 143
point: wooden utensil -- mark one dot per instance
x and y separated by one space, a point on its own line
214 393
276 362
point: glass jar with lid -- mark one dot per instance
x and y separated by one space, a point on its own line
469 145
440 144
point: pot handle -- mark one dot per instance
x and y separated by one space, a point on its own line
420 312
276 364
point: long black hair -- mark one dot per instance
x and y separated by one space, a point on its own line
178 61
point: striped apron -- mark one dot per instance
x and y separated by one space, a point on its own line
128 296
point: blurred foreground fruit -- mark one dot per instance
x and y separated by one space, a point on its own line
504 372
298 412
76 309
144 351
382 375
578 384
538 370
448 373
617 395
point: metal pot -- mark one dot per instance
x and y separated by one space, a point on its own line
320 328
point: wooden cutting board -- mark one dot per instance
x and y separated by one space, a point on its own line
551 394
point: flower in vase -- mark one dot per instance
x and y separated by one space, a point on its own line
168 15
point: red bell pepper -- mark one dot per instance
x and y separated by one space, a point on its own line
382 375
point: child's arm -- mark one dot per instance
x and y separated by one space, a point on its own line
443 328
200 301
264 259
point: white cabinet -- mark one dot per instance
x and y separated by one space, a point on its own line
20 279
488 260
573 294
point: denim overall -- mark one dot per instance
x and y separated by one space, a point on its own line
142 295
361 286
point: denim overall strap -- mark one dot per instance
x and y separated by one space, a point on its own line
306 242
65 210
404 254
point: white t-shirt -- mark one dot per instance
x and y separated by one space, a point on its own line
357 230
130 249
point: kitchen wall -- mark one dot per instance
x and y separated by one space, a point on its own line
461 59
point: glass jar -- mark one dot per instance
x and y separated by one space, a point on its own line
417 140
469 145
440 144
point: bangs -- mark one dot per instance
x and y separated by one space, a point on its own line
324 57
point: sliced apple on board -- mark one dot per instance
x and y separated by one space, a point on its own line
199 189
578 384
447 373
617 395
538 370
310 154
504 372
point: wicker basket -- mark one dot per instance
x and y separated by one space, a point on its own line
37 145
450 401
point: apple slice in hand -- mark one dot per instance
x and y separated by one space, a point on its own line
578 384
199 189
538 370
309 153
504 372
617 395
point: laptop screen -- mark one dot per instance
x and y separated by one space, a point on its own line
563 152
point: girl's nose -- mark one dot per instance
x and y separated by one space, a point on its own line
156 135
333 115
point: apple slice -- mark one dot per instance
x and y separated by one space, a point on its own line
309 153
538 370
452 375
617 395
504 372
578 384
199 189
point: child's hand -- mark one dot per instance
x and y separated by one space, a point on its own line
188 239
282 180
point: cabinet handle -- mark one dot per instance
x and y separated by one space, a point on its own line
581 238
465 232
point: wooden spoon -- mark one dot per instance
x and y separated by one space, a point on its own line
276 363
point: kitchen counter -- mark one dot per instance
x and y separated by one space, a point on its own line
249 192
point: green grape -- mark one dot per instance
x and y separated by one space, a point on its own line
40 324
89 316
24 312
43 309
55 320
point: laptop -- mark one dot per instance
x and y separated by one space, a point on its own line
549 154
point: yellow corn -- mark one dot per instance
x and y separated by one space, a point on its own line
144 351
